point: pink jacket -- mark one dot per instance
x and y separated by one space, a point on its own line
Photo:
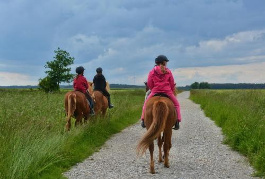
159 82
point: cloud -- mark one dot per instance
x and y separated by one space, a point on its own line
128 35
247 73
17 79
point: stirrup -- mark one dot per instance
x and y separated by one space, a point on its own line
92 112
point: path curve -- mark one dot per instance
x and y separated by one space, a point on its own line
197 152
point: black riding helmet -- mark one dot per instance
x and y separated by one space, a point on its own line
79 70
99 70
161 58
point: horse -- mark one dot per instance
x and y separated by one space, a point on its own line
100 101
76 105
160 116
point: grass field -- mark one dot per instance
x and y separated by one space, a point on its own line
32 137
241 115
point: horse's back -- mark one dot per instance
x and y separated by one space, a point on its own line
167 101
81 102
171 108
99 96
101 102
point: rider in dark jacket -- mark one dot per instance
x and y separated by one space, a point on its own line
100 85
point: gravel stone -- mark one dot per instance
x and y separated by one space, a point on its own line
197 152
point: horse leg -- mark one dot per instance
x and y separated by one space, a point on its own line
104 113
68 123
85 119
151 149
167 146
160 143
78 120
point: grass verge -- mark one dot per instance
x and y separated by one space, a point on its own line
32 137
241 115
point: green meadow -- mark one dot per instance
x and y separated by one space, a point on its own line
241 115
33 141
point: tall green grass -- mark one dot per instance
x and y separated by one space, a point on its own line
241 115
32 137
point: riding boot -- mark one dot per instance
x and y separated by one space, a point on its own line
176 127
110 105
91 105
142 124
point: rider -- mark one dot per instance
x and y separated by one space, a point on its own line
161 80
100 85
80 84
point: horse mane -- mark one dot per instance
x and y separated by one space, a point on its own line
160 113
90 87
107 86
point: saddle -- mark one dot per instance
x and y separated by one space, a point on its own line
161 95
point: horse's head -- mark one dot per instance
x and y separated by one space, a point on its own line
107 86
146 86
90 87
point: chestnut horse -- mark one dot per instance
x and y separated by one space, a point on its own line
160 116
76 105
100 102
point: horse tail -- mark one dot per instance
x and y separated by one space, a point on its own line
160 112
71 106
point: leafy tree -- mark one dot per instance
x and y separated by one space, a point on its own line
195 85
204 85
48 85
58 71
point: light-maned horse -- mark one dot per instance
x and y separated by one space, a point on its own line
100 102
160 116
76 105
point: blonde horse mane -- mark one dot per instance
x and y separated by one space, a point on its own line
91 87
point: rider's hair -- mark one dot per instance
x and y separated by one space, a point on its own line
163 67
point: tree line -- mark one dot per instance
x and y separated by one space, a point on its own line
206 85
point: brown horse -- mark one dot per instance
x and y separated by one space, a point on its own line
160 116
76 105
100 103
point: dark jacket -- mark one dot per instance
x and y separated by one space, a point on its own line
99 82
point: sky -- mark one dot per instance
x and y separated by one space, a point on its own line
214 41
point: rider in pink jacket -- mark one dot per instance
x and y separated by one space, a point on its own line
161 80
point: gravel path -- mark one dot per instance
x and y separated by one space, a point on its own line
197 152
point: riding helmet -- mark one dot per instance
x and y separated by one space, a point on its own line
99 70
79 70
161 58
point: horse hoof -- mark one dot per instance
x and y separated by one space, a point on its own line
152 171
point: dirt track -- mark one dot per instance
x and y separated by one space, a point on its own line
197 152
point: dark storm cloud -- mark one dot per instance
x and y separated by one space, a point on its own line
124 37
